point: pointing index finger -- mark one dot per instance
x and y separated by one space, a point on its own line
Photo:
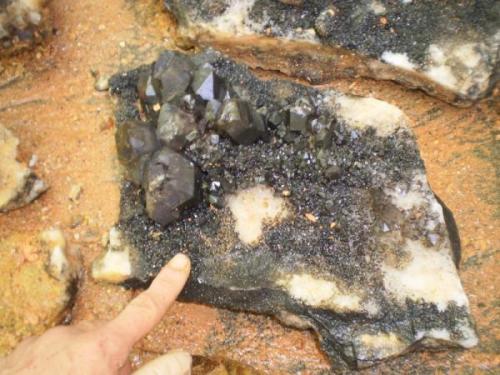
148 308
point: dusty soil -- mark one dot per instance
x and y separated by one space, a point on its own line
47 99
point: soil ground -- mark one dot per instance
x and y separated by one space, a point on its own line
47 99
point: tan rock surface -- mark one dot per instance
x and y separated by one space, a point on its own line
31 299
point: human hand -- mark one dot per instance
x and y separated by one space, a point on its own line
95 348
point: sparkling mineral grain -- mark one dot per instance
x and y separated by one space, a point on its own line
330 226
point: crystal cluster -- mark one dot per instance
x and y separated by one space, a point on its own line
305 204
184 101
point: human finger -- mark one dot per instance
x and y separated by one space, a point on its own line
148 308
172 363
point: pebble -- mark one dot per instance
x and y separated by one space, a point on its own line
102 83
74 192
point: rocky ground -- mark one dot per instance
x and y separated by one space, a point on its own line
49 101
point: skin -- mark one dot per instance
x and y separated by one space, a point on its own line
103 347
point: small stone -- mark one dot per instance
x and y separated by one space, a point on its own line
286 193
292 2
33 161
214 139
58 265
135 142
175 127
18 184
325 22
334 172
171 184
74 192
241 122
115 265
102 83
311 217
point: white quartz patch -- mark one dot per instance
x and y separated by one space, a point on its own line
468 337
319 292
114 265
429 276
400 60
379 345
253 208
436 334
235 20
408 197
460 65
361 113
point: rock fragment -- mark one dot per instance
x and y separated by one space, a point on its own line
330 225
448 49
35 291
22 23
115 265
19 186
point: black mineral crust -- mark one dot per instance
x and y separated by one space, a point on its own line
448 48
348 213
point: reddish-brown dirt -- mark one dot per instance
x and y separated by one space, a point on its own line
53 108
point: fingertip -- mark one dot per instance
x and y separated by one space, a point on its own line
180 262
176 362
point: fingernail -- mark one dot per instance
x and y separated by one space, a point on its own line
180 262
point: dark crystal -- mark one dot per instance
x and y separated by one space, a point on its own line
212 110
241 122
321 128
172 75
207 84
300 115
135 142
175 127
171 184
